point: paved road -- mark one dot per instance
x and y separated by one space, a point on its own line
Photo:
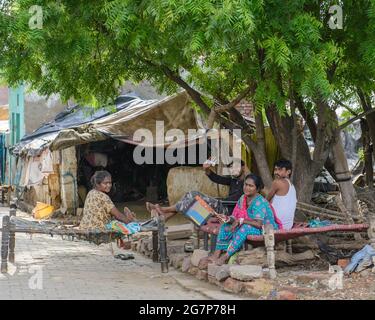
49 268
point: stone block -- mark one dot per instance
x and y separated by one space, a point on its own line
203 263
197 255
186 264
233 285
193 270
202 275
222 273
246 272
212 269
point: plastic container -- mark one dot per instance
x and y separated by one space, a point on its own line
42 210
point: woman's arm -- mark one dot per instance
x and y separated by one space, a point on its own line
252 222
121 216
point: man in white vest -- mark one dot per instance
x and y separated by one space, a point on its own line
282 194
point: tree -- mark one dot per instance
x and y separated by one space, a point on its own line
281 56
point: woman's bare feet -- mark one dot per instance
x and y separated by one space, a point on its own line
154 213
222 260
215 256
150 206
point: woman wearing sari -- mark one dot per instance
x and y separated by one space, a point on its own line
251 213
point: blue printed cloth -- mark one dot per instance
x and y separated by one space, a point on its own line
123 228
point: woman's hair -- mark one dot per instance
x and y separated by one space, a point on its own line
257 180
98 177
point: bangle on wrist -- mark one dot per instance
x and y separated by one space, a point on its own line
241 220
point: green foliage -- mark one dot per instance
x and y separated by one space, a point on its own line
87 49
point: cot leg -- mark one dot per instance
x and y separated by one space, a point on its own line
213 242
289 246
198 238
155 243
12 238
269 241
5 245
163 245
371 230
205 241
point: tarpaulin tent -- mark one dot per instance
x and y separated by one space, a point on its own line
80 125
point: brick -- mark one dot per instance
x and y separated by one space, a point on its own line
134 245
258 287
343 263
193 270
222 273
186 264
197 255
203 263
202 275
245 272
286 295
212 269
213 280
233 285
177 259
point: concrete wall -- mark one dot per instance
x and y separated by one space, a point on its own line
39 110
3 95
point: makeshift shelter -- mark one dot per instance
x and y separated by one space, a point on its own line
56 161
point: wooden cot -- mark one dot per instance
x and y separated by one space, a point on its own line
12 225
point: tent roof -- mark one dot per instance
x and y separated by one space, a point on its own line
79 125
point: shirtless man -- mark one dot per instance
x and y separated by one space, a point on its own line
282 194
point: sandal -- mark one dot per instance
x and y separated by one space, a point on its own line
124 256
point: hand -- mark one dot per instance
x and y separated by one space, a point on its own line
206 166
235 224
221 217
129 214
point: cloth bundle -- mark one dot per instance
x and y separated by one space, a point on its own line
123 228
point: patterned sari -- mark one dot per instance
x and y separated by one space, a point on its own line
259 209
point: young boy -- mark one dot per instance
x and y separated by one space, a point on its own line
282 194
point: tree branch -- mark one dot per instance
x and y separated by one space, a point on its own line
194 94
226 107
350 121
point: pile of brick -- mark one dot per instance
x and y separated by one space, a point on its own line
248 280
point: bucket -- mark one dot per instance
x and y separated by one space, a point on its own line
42 210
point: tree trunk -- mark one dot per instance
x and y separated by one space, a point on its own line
304 171
343 176
366 105
258 148
367 154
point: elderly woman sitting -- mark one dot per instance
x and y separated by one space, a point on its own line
250 214
100 213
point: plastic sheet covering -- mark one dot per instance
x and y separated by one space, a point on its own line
77 125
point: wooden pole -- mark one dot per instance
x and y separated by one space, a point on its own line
4 245
12 237
155 243
163 245
269 242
